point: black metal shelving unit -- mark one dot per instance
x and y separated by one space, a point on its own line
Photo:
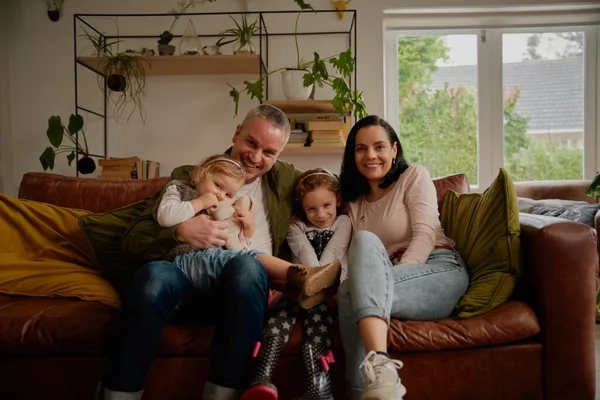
263 48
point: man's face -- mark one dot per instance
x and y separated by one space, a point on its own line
256 146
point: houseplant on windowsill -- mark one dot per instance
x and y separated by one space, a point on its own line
314 72
56 132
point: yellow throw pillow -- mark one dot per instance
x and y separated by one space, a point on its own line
486 229
43 252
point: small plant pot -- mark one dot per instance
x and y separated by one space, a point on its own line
116 82
166 49
54 15
293 85
86 165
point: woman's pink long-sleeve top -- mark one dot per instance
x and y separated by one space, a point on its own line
405 218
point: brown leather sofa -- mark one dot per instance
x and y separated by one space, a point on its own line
535 346
562 190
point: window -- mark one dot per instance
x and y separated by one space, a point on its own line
473 100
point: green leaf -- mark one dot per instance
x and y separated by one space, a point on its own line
236 98
593 188
344 63
357 105
308 79
342 94
55 130
71 157
255 89
75 123
303 5
319 68
47 158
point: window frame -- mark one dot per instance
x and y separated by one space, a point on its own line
490 135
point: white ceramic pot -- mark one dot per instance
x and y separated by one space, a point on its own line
292 83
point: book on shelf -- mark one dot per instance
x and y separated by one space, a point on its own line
129 168
325 124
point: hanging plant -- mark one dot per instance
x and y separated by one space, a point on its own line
56 133
125 73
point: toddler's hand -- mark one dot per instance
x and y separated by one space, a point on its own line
208 201
244 217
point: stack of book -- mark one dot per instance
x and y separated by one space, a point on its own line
327 131
297 138
128 168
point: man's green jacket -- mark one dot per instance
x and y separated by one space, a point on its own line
148 240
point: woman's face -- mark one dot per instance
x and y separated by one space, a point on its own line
373 153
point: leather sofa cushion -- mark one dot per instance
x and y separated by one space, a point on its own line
511 322
30 325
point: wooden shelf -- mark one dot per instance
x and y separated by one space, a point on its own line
304 106
189 65
316 150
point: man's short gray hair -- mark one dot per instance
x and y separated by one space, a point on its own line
272 114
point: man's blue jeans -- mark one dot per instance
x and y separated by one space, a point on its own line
237 297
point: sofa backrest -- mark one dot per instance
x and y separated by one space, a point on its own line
96 195
560 189
101 195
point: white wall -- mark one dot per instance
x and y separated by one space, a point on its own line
6 181
189 117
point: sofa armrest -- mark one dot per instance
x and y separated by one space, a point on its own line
559 260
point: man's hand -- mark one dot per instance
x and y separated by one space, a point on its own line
246 218
202 232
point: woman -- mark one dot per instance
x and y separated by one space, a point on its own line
400 263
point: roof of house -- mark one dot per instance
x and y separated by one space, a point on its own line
551 90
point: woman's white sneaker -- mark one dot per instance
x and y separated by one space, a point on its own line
381 380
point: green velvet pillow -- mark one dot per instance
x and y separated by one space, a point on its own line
486 229
104 232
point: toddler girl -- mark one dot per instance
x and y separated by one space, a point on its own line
317 236
213 184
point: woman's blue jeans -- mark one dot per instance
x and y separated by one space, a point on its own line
377 288
235 294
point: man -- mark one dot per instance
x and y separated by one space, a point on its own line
241 289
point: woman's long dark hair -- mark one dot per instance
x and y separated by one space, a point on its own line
354 184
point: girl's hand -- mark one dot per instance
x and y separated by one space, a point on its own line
205 202
245 217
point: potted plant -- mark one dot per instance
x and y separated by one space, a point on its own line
313 72
164 40
594 189
54 7
242 34
56 132
125 73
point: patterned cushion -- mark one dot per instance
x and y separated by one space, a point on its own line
584 213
